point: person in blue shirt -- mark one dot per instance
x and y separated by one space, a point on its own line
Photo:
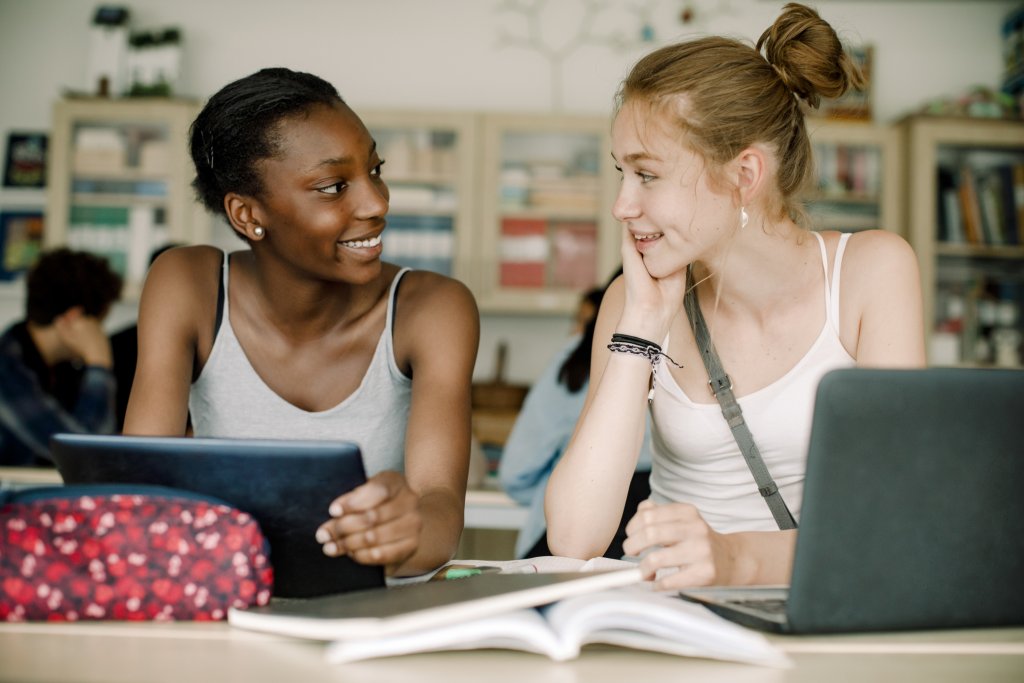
55 366
542 431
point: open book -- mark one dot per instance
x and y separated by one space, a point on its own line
398 609
546 605
629 617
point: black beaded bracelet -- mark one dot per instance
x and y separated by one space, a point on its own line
624 343
629 339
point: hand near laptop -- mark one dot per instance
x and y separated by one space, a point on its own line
376 523
679 549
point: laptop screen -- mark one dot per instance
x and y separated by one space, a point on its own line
912 514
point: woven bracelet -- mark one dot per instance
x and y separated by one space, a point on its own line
624 343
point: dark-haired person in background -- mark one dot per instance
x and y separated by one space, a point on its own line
307 333
542 431
55 365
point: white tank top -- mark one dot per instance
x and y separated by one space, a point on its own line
695 458
229 399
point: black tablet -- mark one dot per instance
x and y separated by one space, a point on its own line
286 485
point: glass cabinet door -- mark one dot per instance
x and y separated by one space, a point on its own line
979 261
967 213
547 229
428 168
857 177
120 181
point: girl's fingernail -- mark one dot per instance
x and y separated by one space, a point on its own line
322 536
330 548
334 510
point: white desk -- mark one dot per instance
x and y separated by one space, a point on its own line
193 652
493 509
28 476
114 652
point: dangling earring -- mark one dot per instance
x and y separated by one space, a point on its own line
258 231
744 218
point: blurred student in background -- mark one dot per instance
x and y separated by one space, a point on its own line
542 431
56 364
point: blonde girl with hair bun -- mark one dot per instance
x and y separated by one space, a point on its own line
710 138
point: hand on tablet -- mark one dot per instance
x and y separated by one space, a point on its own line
378 522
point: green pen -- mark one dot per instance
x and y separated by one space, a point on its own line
461 572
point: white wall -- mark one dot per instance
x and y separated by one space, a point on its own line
445 54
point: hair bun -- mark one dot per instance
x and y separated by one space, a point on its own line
808 56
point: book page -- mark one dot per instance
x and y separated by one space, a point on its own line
524 630
630 617
662 622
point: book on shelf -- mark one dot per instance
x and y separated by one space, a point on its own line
848 170
950 216
523 251
552 606
990 208
970 210
990 204
1013 201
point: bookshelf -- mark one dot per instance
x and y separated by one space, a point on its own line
430 172
966 215
546 229
120 179
858 176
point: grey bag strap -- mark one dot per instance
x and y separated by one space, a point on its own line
721 387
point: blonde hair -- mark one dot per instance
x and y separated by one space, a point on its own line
724 96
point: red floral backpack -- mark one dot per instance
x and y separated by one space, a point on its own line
127 553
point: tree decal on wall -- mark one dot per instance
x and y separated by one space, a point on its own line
637 32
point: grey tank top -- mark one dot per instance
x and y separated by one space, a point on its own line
230 400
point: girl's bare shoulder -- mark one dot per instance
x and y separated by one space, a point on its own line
423 290
186 275
879 263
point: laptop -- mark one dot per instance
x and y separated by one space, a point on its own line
913 509
287 486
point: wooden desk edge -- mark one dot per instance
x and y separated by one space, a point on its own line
981 641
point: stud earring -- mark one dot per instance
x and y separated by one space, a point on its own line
258 231
744 218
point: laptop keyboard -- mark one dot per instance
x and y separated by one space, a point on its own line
775 606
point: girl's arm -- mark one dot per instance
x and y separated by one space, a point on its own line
412 523
588 487
180 289
882 304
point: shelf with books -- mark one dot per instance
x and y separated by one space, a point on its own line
858 176
546 232
966 214
120 181
429 170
